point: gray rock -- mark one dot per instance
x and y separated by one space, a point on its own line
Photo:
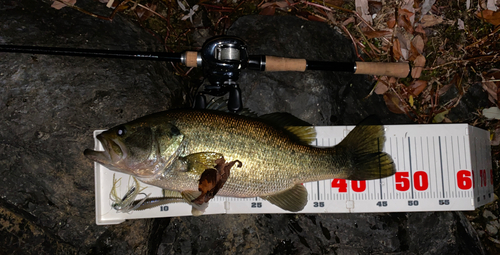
489 215
491 230
50 106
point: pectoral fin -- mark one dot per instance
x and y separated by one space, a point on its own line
198 162
293 199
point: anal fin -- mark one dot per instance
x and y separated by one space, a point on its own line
293 199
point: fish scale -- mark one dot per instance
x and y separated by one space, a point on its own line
172 149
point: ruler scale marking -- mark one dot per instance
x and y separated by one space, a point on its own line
441 161
411 169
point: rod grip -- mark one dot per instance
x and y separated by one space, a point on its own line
400 70
274 64
191 58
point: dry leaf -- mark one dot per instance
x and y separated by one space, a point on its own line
426 6
492 85
377 34
420 29
374 6
454 82
380 88
430 20
269 10
396 49
59 4
492 5
492 17
418 42
393 103
461 24
143 13
416 48
440 117
362 9
417 86
418 66
413 53
391 23
404 20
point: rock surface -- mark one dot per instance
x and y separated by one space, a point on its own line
51 104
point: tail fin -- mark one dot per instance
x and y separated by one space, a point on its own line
363 146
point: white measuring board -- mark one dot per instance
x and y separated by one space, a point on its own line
440 167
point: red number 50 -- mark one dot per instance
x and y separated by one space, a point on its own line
420 181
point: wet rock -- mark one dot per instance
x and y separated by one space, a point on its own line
491 230
489 215
50 106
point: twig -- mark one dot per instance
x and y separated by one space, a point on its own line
346 10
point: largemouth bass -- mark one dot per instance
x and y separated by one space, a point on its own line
173 149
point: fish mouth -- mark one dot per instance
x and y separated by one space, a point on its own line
113 152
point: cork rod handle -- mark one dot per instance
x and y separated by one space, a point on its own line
274 64
400 70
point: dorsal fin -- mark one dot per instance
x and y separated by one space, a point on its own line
302 131
305 135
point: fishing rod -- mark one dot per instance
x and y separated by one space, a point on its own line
222 58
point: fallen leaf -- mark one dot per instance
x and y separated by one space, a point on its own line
491 84
407 7
492 17
143 13
418 66
404 20
363 10
393 103
374 7
420 29
269 10
417 86
492 5
418 42
430 20
377 34
381 85
413 53
496 138
59 4
426 6
491 113
396 49
461 24
440 117
391 22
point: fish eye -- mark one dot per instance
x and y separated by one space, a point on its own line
121 131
